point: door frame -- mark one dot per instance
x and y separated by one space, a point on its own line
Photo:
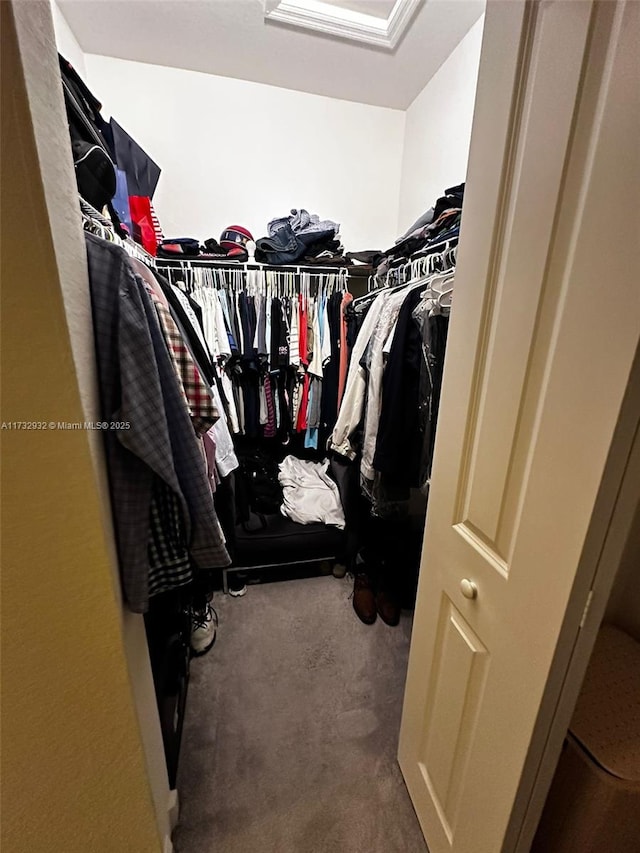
609 531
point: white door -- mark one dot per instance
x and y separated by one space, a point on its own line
545 324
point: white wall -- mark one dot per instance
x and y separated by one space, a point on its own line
236 152
66 42
438 130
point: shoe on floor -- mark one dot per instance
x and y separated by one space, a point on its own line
204 624
364 602
388 608
237 586
339 570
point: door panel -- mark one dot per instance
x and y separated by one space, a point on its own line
523 432
452 709
556 48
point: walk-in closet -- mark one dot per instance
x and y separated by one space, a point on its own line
342 399
299 247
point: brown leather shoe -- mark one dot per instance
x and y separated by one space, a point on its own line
388 608
364 602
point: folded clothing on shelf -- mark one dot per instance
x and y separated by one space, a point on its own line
286 247
302 222
302 234
179 247
437 225
232 246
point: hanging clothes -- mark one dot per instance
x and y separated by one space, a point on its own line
330 366
314 398
220 345
388 413
303 330
374 361
139 386
351 410
202 408
345 348
273 354
434 328
294 338
397 449
168 550
203 401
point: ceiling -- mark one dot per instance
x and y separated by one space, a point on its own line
381 24
378 8
231 38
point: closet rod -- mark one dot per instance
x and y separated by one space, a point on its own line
448 242
376 284
226 265
89 210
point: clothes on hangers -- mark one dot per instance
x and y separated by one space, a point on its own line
440 223
315 373
179 308
274 340
396 455
168 548
351 409
374 361
169 560
434 327
333 332
388 413
218 432
198 397
158 449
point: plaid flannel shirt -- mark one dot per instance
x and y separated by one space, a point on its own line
198 396
169 563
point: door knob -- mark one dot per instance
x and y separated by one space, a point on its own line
468 588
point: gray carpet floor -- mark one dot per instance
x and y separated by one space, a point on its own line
291 732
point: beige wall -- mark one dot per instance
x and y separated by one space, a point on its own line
73 769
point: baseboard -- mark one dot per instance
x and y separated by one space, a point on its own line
173 811
173 808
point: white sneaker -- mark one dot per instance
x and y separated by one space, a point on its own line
237 586
203 630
